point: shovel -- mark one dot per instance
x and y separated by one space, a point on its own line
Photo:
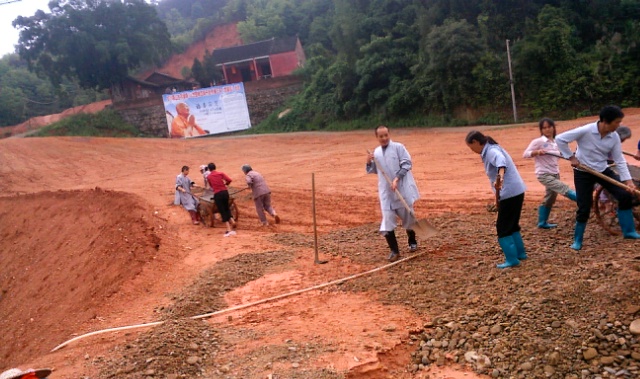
600 175
422 227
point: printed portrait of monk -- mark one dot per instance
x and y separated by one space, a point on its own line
184 124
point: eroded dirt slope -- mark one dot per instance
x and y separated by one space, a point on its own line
64 254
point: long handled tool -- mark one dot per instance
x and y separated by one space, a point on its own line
238 191
316 260
629 154
422 227
600 175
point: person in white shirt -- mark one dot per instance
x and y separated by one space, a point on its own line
596 143
545 153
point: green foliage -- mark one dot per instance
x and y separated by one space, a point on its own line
263 21
206 73
453 50
202 28
26 95
106 123
97 42
178 24
185 72
400 59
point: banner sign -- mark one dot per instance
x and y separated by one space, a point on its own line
203 111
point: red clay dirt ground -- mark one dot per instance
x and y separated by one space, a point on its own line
90 240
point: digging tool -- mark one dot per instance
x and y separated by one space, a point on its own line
600 175
316 260
238 191
422 227
629 154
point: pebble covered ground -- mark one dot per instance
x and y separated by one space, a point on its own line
561 314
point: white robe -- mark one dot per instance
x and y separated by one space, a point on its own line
394 157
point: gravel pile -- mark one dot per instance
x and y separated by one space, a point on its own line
175 349
561 314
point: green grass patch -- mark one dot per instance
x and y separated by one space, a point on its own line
297 121
106 123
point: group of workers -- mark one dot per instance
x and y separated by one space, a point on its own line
216 187
598 144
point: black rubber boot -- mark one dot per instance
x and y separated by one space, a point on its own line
393 246
413 243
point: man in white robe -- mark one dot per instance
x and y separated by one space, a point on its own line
394 159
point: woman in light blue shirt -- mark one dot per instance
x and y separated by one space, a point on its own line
509 188
596 143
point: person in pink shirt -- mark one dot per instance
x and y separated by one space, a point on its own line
545 153
218 181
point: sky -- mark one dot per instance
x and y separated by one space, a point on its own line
8 13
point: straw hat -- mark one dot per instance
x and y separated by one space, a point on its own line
16 373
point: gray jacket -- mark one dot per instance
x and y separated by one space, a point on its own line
256 182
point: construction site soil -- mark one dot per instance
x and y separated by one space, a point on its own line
90 240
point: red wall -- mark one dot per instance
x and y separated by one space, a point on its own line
284 63
231 77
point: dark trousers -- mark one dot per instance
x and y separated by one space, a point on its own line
509 216
584 183
222 203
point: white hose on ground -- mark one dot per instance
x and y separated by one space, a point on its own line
242 306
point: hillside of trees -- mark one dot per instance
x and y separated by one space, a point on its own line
24 94
420 60
399 60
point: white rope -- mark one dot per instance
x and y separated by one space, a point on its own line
242 306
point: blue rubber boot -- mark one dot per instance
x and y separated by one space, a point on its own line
628 224
517 240
543 216
571 194
578 234
510 252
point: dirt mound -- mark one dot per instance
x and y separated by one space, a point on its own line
177 348
63 254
